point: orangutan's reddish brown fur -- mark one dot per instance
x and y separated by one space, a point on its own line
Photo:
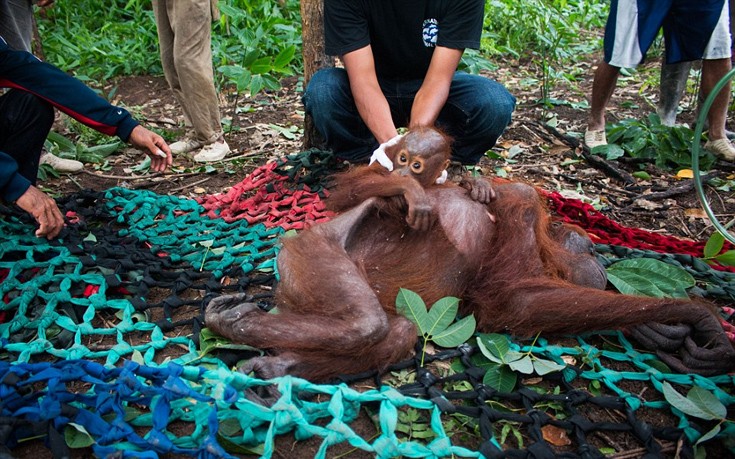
513 269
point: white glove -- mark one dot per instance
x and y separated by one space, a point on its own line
379 153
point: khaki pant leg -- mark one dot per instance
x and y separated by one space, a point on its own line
185 39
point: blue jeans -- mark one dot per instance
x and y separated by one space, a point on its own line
476 113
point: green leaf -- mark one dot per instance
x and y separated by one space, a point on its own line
543 366
689 406
714 245
232 447
500 378
659 365
636 146
643 175
630 283
261 66
76 436
423 433
410 305
727 258
494 346
62 142
284 57
130 413
457 333
714 431
649 277
610 151
442 314
707 401
230 427
288 133
210 341
523 365
256 84
144 165
104 150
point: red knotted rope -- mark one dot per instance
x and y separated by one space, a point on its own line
265 197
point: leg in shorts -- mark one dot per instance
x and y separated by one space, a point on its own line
692 29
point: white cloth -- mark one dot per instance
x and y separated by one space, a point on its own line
379 153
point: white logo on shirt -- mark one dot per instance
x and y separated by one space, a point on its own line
430 32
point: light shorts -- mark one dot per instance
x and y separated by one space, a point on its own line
693 29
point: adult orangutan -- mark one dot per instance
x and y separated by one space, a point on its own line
499 252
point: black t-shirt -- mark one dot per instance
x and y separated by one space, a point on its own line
402 33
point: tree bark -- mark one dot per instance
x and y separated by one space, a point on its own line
36 44
312 37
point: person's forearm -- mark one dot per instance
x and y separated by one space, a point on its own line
434 91
375 112
427 105
369 98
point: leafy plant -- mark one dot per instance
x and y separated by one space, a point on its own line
259 43
411 423
473 62
259 36
552 33
118 39
649 277
505 363
63 147
712 250
436 324
666 146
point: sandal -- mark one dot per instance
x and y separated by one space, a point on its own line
595 138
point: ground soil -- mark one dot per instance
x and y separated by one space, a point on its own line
270 125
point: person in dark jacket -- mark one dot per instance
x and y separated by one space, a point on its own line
26 116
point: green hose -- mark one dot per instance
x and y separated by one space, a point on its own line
695 154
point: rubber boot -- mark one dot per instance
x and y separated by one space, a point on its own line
673 82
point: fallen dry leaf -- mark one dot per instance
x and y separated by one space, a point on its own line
559 149
555 435
685 173
646 204
695 213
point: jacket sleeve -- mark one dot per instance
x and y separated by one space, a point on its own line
12 184
23 71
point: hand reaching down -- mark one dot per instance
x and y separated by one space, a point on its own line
44 210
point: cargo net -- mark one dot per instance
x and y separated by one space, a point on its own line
102 345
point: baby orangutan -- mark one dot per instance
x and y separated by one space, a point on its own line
494 248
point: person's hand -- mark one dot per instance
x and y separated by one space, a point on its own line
153 145
380 156
44 210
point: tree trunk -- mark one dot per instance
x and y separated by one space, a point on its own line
36 44
312 37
